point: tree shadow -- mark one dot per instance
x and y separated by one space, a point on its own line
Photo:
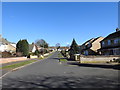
117 67
70 59
59 82
58 58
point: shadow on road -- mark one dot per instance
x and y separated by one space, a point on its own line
117 67
60 82
58 58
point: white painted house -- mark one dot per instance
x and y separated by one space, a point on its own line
5 45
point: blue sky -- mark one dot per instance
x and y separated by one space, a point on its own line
58 22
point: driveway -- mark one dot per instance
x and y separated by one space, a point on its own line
49 73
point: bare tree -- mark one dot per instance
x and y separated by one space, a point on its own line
58 46
41 43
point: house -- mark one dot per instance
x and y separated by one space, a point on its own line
91 46
111 44
64 48
32 47
5 45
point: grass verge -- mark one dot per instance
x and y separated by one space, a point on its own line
61 57
45 56
64 60
12 66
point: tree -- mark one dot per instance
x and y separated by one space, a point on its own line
74 49
18 46
58 46
41 43
22 47
37 52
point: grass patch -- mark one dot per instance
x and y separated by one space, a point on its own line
12 66
64 60
45 56
60 55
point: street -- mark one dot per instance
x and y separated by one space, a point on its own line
49 73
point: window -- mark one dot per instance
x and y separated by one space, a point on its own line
109 42
116 40
103 43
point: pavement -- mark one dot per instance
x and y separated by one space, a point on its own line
12 59
50 73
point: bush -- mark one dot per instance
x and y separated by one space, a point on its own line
6 54
37 52
28 56
46 51
23 47
63 52
117 60
19 54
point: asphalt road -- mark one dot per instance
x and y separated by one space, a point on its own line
49 73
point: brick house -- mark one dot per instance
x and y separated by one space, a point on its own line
111 44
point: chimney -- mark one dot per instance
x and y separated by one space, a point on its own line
117 29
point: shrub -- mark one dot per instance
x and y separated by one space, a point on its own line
117 60
6 54
19 54
37 52
23 47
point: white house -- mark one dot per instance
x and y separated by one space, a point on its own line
5 45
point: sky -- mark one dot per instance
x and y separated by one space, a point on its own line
58 22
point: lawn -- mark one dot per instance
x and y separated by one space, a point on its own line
12 66
61 57
64 60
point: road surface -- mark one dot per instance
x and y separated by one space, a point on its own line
49 73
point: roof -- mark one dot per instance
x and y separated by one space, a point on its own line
112 35
31 46
91 40
4 41
64 47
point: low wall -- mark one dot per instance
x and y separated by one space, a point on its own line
13 59
46 54
97 58
33 56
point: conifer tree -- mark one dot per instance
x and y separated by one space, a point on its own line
22 47
74 49
25 47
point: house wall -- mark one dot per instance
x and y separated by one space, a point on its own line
96 44
11 48
112 51
14 45
34 49
111 42
90 52
3 48
7 48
